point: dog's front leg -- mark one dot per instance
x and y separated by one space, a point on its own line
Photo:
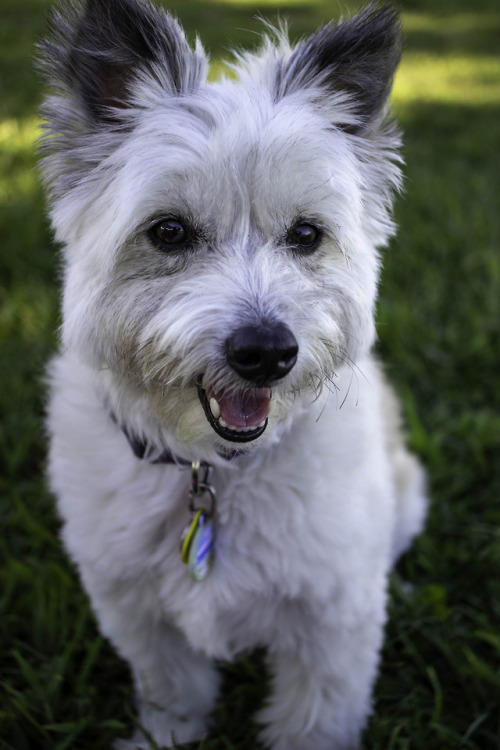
176 687
176 690
321 692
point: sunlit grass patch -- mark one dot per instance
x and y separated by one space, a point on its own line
18 176
16 133
449 25
272 3
466 79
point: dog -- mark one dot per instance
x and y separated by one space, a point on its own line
226 452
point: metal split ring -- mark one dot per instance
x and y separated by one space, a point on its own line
200 488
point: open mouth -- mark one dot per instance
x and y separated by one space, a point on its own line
239 418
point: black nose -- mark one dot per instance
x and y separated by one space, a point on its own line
262 353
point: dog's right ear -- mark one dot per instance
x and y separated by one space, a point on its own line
97 50
353 62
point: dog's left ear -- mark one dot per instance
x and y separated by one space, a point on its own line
105 60
98 48
357 58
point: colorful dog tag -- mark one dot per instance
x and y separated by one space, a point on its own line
188 534
201 551
198 538
197 545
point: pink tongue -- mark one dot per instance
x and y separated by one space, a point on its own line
243 410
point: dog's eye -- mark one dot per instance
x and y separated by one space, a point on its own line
305 236
168 232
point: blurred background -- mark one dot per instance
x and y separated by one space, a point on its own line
61 686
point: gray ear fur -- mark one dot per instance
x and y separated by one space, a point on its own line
96 49
358 57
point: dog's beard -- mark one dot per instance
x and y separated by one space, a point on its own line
173 360
217 412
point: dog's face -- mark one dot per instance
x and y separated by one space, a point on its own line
220 238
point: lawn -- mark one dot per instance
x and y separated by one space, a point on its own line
61 685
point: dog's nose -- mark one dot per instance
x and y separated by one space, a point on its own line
262 353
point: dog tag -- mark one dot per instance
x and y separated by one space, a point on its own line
201 551
188 534
197 545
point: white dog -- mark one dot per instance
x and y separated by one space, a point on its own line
225 451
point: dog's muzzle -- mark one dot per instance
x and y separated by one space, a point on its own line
260 355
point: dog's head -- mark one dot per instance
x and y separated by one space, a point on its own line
220 238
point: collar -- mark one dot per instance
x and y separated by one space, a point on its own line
145 451
142 449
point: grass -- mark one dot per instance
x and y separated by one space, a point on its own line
439 688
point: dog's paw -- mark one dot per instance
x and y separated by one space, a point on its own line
283 733
134 743
164 731
303 742
139 742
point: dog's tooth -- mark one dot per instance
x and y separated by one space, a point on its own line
234 428
214 408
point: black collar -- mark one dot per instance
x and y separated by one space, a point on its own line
143 450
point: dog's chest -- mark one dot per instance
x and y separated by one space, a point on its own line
270 569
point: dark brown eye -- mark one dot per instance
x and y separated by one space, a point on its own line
305 236
168 232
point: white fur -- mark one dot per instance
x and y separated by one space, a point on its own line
311 516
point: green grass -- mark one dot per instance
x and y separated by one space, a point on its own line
439 687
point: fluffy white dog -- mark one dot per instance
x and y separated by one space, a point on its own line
225 451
